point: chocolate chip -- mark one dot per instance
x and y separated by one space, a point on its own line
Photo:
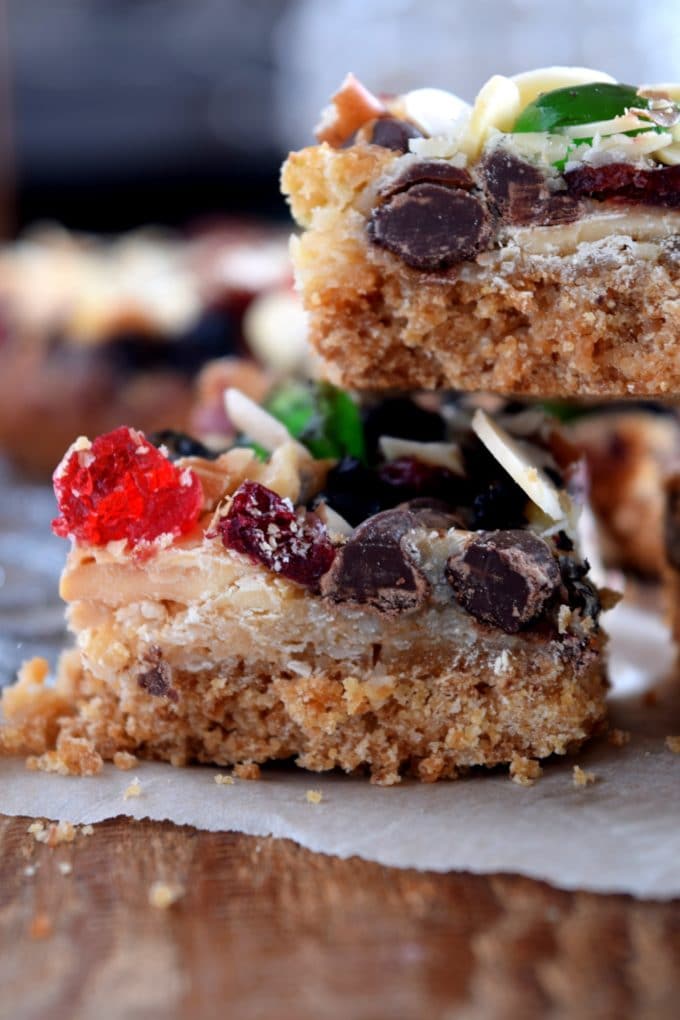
373 568
505 578
431 227
392 133
429 171
519 192
581 593
627 182
156 680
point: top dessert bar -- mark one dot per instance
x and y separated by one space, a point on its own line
528 244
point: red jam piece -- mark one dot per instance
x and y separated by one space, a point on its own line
266 528
122 487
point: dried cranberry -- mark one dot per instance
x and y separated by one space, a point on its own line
265 527
122 487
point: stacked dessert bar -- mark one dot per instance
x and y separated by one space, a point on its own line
394 582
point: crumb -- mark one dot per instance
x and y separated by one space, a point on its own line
580 777
650 699
65 868
223 780
30 870
52 834
124 761
87 830
163 894
524 771
673 744
41 927
247 770
133 790
314 796
563 619
618 738
74 756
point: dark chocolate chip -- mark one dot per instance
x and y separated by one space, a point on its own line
505 578
392 133
429 171
373 568
156 680
519 192
431 227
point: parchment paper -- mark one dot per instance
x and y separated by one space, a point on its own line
621 834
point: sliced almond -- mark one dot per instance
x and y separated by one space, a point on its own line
514 457
496 107
446 455
435 111
256 423
532 84
335 522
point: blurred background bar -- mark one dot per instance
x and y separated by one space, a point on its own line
134 111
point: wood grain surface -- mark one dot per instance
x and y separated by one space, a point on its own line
266 929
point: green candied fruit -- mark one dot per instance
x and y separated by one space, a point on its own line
578 104
323 418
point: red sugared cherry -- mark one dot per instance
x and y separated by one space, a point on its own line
265 527
122 487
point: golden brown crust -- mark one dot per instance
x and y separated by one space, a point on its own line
601 320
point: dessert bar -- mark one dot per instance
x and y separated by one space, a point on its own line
398 590
527 244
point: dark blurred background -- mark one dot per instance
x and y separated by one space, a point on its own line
131 111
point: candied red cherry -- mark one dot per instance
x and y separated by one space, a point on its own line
122 487
268 529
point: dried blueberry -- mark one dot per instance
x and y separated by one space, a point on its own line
352 490
403 419
179 444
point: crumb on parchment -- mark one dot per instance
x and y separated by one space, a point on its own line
133 790
673 744
524 771
314 796
163 895
247 770
618 738
124 761
581 777
223 780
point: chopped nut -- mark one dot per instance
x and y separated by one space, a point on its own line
247 770
314 796
164 894
525 771
618 738
673 744
580 777
223 780
133 790
124 761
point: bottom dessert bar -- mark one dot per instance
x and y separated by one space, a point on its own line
260 624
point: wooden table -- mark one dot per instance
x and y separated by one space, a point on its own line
266 930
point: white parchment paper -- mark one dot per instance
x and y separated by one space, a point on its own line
621 834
